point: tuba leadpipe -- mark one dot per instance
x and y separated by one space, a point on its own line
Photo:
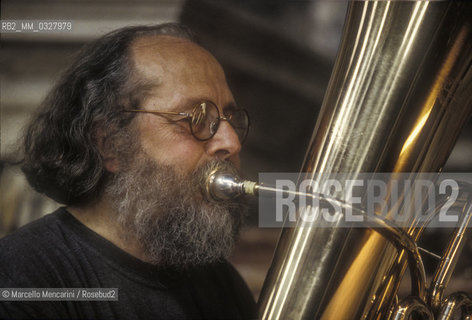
399 94
222 186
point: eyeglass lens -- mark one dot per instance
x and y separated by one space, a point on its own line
206 119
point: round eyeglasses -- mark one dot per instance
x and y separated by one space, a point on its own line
204 120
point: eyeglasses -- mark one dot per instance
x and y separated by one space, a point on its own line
204 120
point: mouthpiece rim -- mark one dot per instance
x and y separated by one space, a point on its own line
221 186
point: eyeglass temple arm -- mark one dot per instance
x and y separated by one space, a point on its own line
159 112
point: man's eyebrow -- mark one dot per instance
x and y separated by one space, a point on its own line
230 106
188 104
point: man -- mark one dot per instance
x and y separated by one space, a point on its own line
125 140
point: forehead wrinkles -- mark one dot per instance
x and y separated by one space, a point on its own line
179 69
157 56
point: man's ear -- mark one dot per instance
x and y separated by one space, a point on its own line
107 151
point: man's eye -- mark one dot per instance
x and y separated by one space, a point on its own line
184 123
213 127
198 119
180 124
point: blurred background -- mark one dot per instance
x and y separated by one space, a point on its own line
277 54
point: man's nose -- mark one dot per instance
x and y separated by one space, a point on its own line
225 143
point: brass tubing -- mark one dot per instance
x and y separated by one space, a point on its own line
409 306
223 186
398 97
455 301
448 261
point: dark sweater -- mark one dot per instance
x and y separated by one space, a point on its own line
57 251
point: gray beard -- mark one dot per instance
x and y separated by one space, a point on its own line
168 216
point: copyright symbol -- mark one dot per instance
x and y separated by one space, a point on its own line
5 293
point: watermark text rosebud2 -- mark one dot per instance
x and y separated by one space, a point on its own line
348 200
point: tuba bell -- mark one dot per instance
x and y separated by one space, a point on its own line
397 99
400 92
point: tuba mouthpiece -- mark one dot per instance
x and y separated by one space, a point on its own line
222 186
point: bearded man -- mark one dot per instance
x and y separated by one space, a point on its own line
125 140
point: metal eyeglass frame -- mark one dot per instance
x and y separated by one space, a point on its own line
187 115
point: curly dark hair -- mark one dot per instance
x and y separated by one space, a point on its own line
61 154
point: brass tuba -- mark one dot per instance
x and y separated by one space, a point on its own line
400 92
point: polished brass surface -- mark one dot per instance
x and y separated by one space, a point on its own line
221 186
409 306
397 100
449 259
456 302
